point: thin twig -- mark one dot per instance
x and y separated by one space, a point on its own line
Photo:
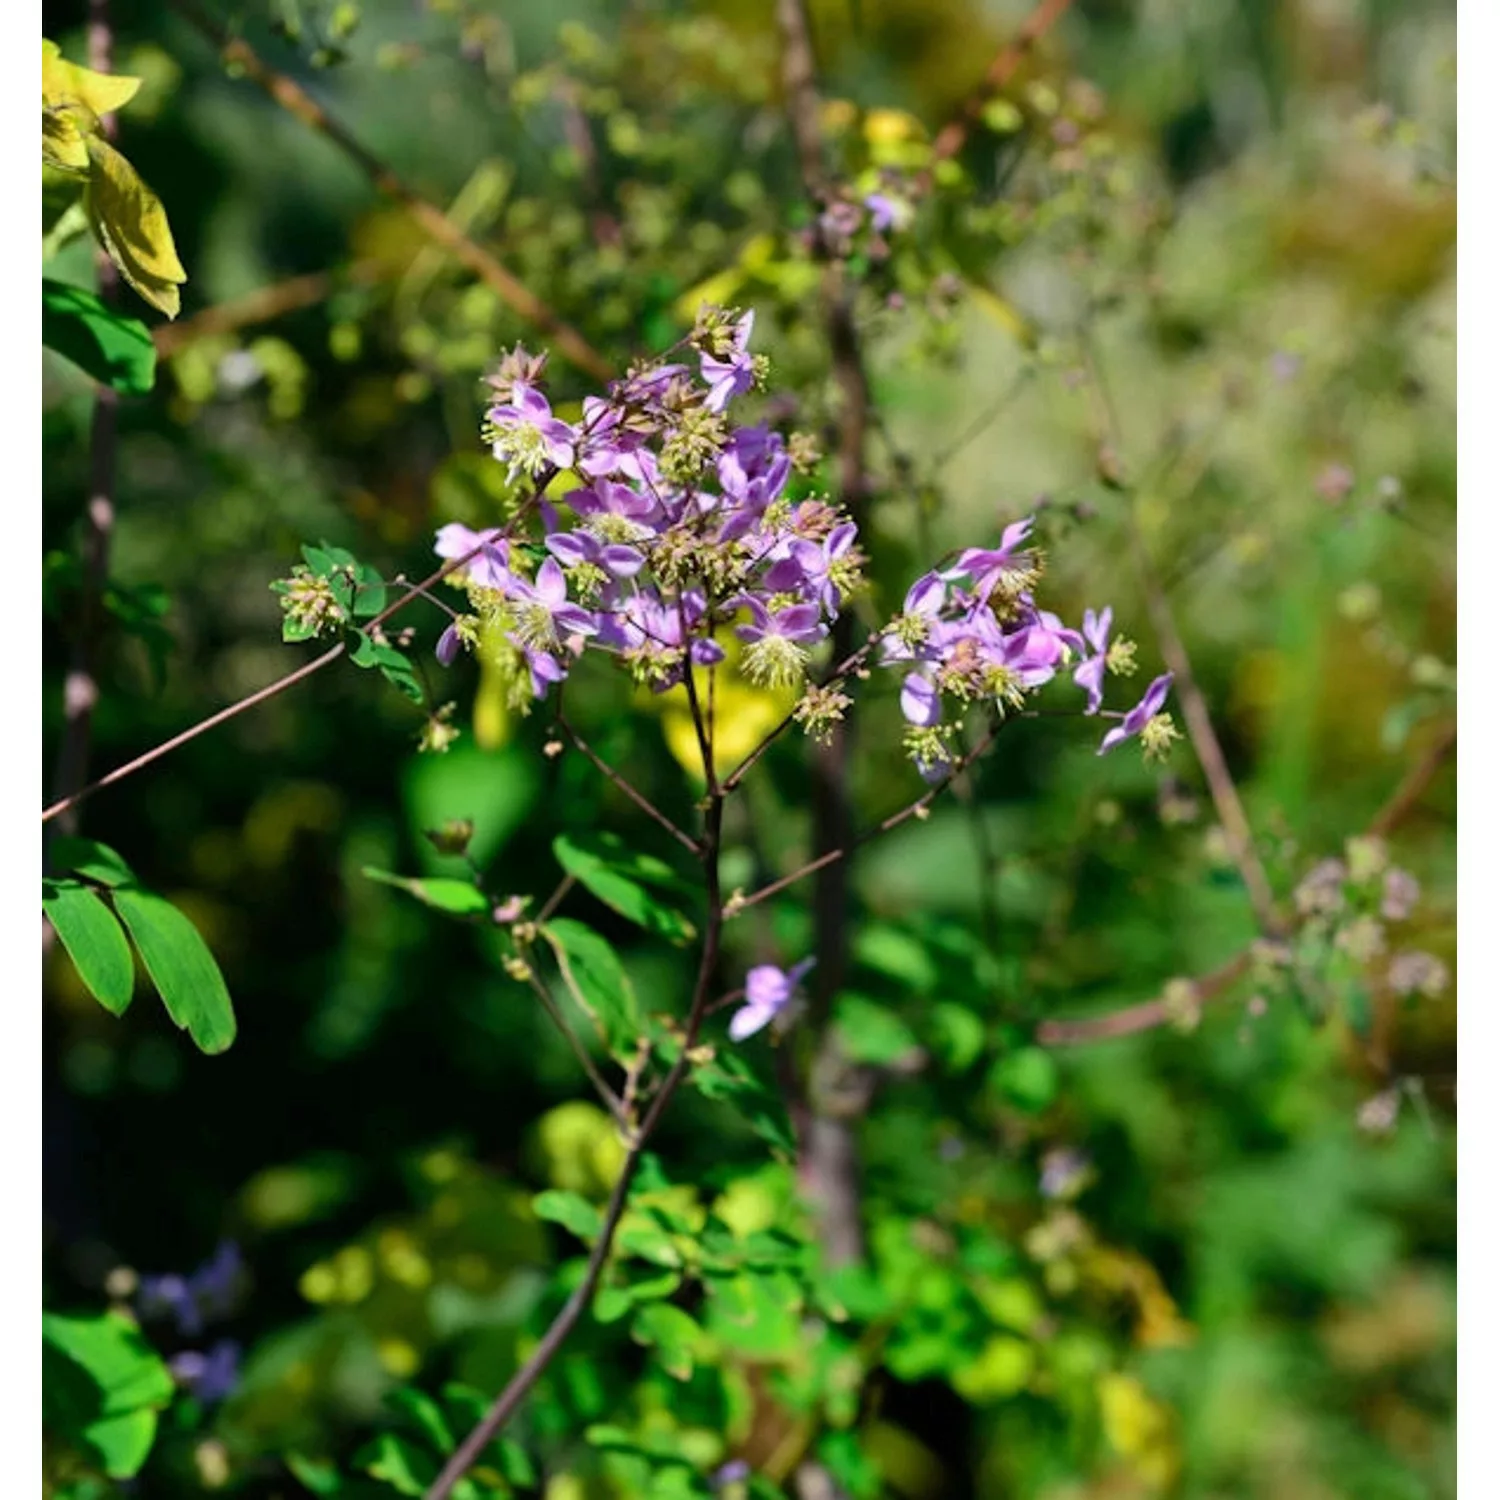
1152 1013
271 689
611 1100
263 305
81 685
293 98
468 1452
834 856
639 798
951 138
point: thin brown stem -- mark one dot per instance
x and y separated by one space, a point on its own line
467 1454
611 1100
224 715
638 797
950 139
1150 1014
81 685
895 820
293 98
264 305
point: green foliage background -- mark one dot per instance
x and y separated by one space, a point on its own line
1250 1295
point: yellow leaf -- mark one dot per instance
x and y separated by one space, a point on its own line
131 224
1005 314
62 141
743 715
65 83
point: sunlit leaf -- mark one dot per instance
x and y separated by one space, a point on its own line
181 967
618 876
459 898
117 351
597 980
131 224
91 934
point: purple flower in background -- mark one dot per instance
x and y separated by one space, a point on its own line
1139 716
734 1472
168 1296
489 566
527 436
191 1301
768 991
732 377
1090 676
885 212
211 1377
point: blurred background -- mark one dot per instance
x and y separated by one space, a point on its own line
1214 236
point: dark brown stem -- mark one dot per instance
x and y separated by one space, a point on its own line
829 1165
293 98
81 686
639 798
467 1454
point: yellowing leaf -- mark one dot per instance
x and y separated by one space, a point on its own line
743 716
62 141
1139 1428
131 224
65 83
1005 314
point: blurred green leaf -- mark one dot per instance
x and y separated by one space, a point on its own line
597 980
117 351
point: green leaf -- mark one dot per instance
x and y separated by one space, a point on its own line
392 664
673 1334
117 351
1026 1078
574 1212
425 1415
318 1475
181 967
618 876
101 1385
613 1302
93 860
957 1035
596 979
459 898
94 940
131 224
728 1077
870 1033
401 1464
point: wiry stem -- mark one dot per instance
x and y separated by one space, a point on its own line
467 1454
293 98
1150 1014
81 686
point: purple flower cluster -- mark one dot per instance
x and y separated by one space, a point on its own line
192 1302
684 531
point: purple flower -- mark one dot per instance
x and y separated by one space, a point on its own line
921 702
210 1377
768 991
447 647
809 568
576 548
777 654
488 567
885 211
729 378
168 1296
733 1472
988 566
526 434
1139 716
191 1301
1090 676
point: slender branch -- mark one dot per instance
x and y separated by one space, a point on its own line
834 856
830 1160
293 98
81 685
639 798
467 1454
611 1100
950 139
224 715
1404 800
263 305
1152 1013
